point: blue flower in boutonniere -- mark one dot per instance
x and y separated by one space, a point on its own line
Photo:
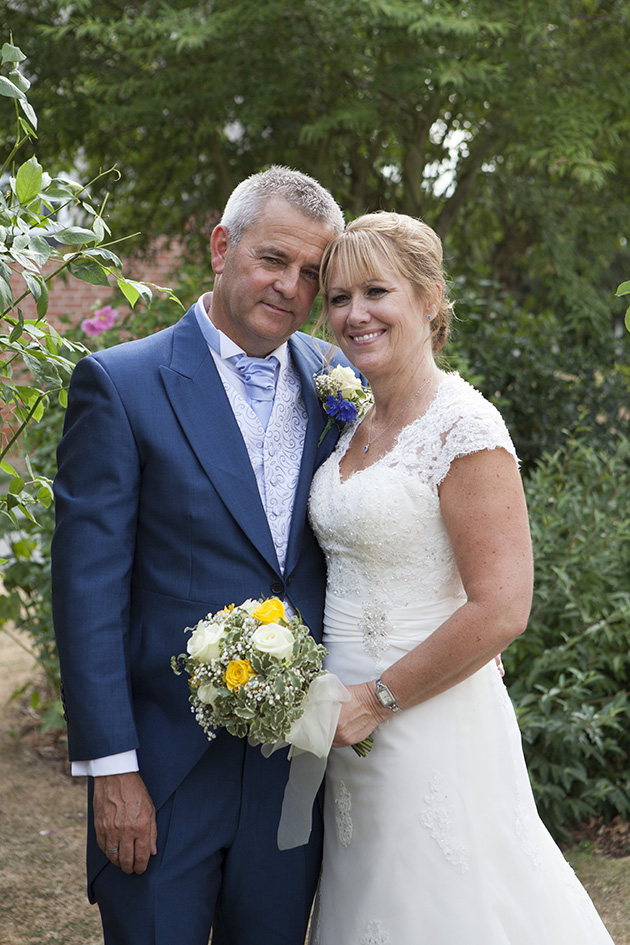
343 397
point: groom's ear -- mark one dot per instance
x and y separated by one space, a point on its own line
219 246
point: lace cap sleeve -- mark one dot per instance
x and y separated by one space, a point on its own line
465 422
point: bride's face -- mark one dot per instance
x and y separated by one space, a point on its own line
380 324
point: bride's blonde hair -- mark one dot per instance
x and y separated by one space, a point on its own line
408 246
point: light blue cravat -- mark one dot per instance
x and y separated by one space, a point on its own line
259 377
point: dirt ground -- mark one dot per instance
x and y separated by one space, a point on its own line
42 835
42 831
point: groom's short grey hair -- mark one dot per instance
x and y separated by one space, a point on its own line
246 203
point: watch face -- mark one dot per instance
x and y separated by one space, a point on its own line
385 697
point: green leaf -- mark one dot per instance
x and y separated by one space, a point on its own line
99 229
7 467
12 53
9 89
25 261
29 111
20 80
33 283
16 485
623 289
627 319
90 271
28 130
17 332
134 290
40 250
104 254
6 294
37 367
45 496
28 181
57 193
62 397
42 302
75 235
129 291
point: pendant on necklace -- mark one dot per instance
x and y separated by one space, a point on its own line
366 447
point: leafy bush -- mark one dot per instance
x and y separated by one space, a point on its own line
26 601
544 378
37 244
568 674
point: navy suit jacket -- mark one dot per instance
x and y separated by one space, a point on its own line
159 522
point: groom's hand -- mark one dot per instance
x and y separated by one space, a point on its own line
124 819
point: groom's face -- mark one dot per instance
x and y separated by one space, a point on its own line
266 284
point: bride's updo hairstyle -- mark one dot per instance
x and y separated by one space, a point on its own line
409 246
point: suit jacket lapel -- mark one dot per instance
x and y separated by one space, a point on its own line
197 396
307 362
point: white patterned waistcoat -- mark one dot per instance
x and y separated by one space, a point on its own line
275 454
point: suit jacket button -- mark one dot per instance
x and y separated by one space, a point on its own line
277 587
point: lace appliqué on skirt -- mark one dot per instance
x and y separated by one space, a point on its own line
436 817
530 848
343 805
374 935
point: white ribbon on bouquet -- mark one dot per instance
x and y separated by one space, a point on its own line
310 740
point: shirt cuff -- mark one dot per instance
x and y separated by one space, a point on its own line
121 763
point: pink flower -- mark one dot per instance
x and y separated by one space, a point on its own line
102 320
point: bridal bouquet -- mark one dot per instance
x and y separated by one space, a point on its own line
250 670
259 675
343 397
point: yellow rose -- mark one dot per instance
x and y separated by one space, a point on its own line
270 611
238 672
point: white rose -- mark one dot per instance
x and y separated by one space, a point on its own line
274 639
204 642
347 380
249 605
206 693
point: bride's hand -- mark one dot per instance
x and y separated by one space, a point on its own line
360 716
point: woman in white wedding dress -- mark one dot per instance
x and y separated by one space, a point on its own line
433 838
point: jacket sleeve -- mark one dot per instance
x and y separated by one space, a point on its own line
96 494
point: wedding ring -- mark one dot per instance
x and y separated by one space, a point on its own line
111 849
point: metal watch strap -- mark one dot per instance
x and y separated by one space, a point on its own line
385 696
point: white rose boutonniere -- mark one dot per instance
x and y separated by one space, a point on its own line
343 397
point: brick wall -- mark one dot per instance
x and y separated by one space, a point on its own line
76 299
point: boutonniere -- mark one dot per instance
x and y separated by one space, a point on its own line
343 397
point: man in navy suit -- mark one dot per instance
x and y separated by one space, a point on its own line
183 479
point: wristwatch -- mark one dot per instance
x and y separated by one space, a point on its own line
386 697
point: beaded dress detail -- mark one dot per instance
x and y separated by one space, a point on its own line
433 838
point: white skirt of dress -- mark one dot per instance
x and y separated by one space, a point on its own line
434 837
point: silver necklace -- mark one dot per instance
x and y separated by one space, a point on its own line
402 410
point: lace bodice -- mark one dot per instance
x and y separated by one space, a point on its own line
381 529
